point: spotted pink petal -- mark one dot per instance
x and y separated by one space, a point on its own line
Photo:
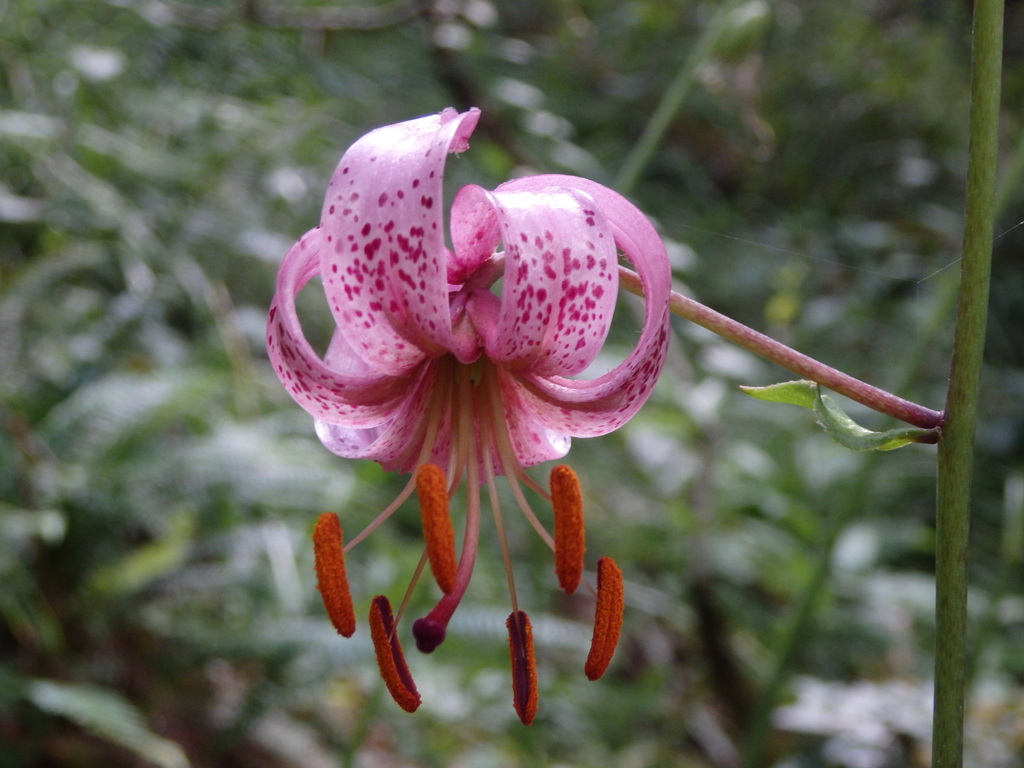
343 391
385 261
560 275
532 441
587 408
396 443
402 301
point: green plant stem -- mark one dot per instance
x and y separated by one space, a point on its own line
800 621
641 153
777 352
799 624
955 455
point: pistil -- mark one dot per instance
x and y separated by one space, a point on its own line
431 629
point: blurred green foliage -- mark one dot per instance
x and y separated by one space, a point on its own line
157 485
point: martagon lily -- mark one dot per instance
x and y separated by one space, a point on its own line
454 364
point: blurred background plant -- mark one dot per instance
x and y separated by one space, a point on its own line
157 486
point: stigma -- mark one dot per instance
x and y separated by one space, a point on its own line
466 417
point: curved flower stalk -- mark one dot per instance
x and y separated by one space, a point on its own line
456 365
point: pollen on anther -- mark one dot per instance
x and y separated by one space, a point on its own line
329 563
570 541
432 490
607 618
390 658
524 666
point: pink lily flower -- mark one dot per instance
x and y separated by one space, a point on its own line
455 365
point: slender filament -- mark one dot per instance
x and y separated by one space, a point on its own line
499 525
510 464
411 588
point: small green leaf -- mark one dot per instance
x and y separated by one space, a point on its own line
852 435
834 420
800 392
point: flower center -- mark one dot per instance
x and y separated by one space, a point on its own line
465 423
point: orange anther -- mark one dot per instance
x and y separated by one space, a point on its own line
524 666
567 502
390 658
432 489
329 563
607 618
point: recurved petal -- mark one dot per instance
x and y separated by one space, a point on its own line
346 392
385 261
398 441
595 407
560 274
532 441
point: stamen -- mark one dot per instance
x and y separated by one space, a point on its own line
567 502
524 666
607 618
390 658
329 563
432 489
499 526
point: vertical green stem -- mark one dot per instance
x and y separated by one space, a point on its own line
955 457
